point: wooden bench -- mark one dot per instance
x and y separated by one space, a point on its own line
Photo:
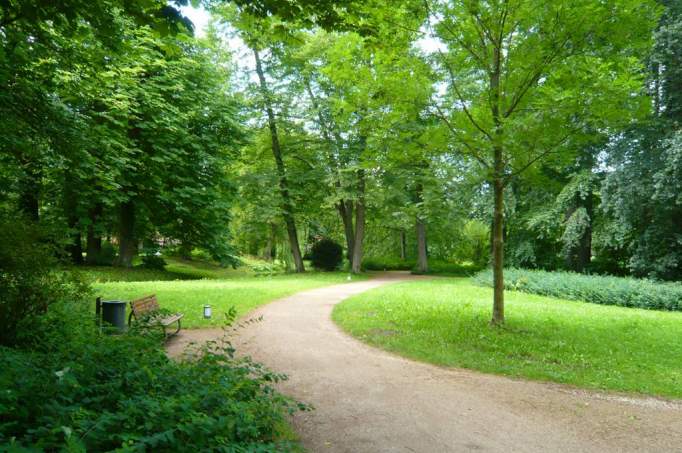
147 307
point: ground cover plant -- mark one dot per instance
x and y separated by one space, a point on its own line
446 322
437 267
244 293
598 289
85 391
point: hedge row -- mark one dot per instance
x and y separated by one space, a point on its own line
597 289
435 266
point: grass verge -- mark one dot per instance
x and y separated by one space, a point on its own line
242 292
445 322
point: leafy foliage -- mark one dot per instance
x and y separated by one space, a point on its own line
622 291
90 392
29 282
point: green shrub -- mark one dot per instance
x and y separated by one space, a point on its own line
326 255
151 258
622 291
106 255
29 283
153 262
92 392
385 263
435 266
453 268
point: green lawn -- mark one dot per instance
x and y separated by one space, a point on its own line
445 321
176 269
243 292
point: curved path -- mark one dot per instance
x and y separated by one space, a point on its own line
367 400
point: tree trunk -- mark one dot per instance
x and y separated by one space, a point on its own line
585 253
498 253
93 239
287 207
403 245
76 246
127 243
28 196
359 225
186 251
346 212
422 258
344 207
498 191
268 254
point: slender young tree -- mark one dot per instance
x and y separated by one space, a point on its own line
525 78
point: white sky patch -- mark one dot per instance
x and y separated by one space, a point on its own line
429 45
199 17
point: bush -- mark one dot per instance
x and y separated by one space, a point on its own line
435 266
622 291
384 263
453 268
29 282
326 255
94 392
106 255
152 259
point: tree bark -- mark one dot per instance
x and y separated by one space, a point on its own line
345 209
127 243
498 253
28 196
356 267
422 256
268 253
498 193
186 251
287 207
93 246
76 245
403 245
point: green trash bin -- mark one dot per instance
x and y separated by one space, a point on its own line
112 313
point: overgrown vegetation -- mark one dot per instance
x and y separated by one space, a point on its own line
597 289
446 322
438 267
68 386
29 282
84 391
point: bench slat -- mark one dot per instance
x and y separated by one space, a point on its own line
145 305
171 319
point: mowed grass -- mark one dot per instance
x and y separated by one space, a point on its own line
446 322
242 292
176 269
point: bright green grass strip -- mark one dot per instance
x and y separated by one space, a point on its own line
446 322
175 270
244 293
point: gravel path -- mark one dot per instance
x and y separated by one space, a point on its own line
367 400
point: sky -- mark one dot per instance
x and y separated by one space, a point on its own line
198 16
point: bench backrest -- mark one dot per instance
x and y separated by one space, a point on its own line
145 305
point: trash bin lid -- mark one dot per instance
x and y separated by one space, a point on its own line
114 302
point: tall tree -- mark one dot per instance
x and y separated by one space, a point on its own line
526 77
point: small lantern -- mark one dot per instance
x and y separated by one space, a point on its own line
207 312
349 277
